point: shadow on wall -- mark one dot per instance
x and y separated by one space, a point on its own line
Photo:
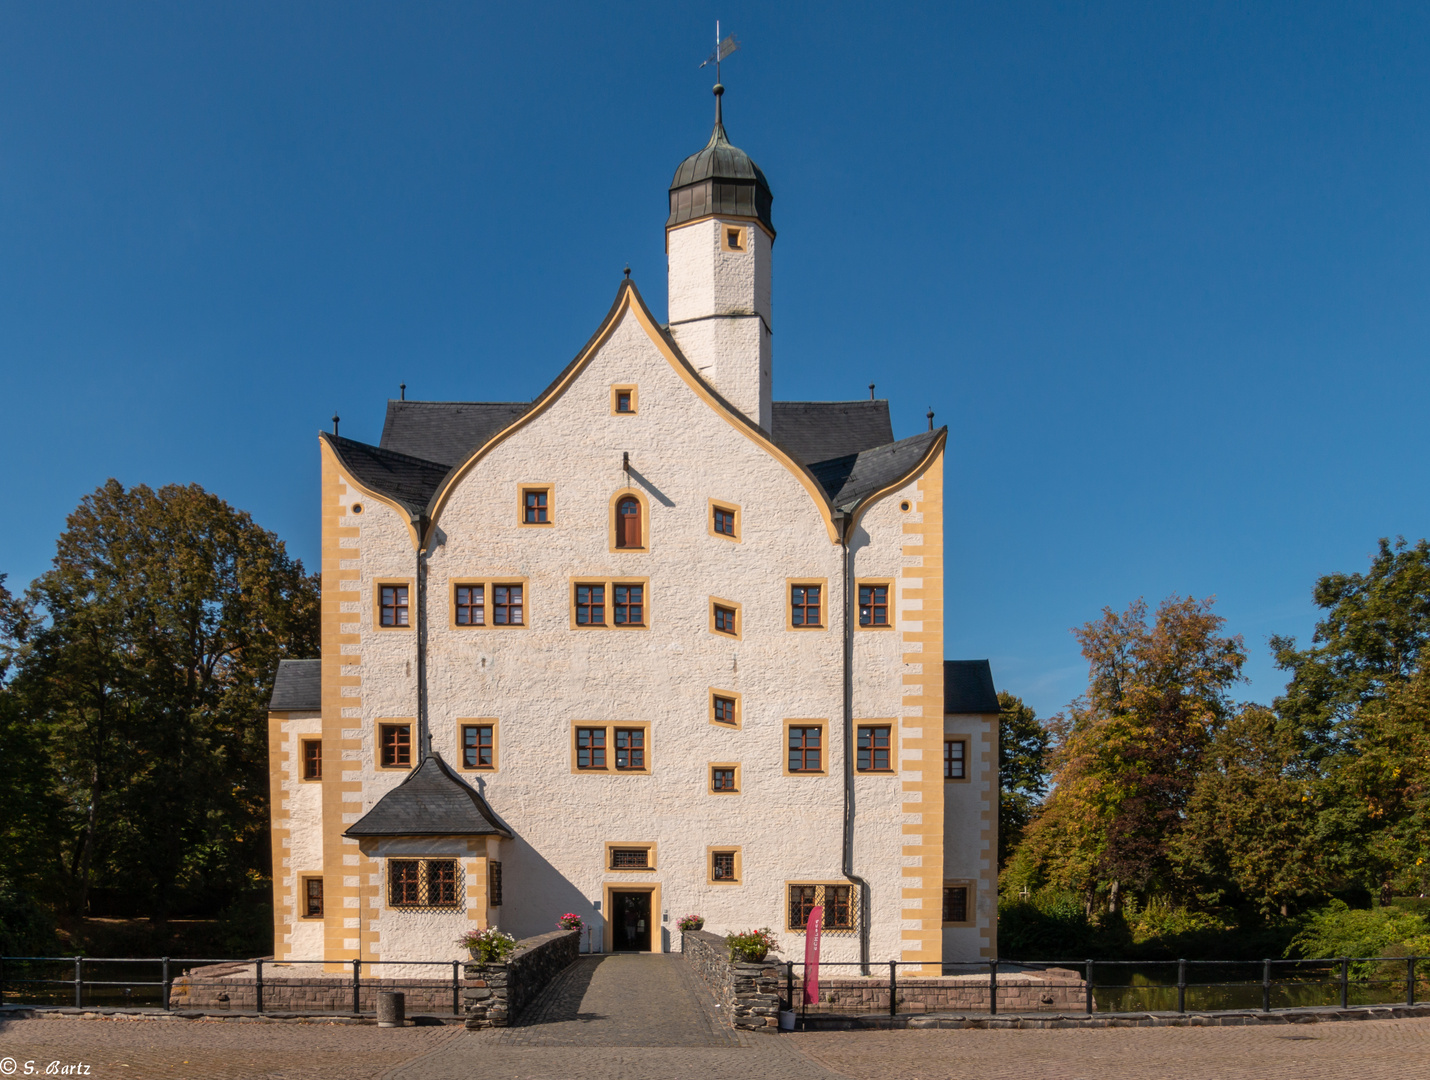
536 894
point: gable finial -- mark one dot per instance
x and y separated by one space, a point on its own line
335 423
628 271
402 387
871 391
930 417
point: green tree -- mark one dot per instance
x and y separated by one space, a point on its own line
1022 771
1249 834
155 639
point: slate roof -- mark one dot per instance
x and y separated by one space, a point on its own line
297 686
847 480
446 431
432 801
811 431
968 687
411 481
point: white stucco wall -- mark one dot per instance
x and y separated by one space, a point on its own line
301 803
970 831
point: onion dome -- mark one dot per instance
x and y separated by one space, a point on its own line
721 179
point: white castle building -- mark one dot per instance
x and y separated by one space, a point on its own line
650 645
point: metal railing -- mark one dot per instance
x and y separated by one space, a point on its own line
358 977
1108 986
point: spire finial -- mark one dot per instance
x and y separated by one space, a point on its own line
719 119
403 388
335 423
628 271
871 391
930 417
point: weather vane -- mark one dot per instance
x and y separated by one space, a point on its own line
722 50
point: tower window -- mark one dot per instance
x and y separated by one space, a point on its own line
734 237
954 759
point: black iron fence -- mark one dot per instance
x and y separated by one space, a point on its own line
1107 986
342 987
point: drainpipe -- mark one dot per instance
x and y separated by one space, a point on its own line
423 745
846 521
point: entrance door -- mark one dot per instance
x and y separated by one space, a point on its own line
630 926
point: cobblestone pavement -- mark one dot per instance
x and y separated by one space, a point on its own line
214 1049
1363 1049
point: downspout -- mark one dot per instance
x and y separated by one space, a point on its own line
423 736
846 521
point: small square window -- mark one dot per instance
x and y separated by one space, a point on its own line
590 748
623 401
630 748
734 238
590 605
724 620
396 746
507 605
722 778
955 903
724 521
873 748
804 603
470 609
630 604
312 759
478 746
722 866
873 605
312 898
805 746
724 710
534 506
392 605
954 759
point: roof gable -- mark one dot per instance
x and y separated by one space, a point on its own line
432 801
968 687
297 686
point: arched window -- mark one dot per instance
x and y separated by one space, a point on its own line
628 522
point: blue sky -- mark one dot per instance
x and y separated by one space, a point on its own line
1162 268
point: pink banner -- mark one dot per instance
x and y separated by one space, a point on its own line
811 955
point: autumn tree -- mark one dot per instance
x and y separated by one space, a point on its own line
150 652
1128 752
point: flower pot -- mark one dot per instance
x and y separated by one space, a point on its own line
754 956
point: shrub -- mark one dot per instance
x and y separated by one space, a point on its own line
753 945
489 946
1340 930
26 929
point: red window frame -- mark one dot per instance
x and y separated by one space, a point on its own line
396 747
623 401
534 507
722 779
630 748
629 607
955 766
591 748
477 746
801 903
392 605
804 605
724 620
724 710
806 744
722 865
470 601
590 603
724 522
874 747
312 759
313 897
404 882
507 604
873 605
442 883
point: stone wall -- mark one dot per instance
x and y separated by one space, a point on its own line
234 987
495 994
1057 989
749 994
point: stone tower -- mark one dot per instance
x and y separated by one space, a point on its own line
718 241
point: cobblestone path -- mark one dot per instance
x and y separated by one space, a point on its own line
1353 1050
134 1047
632 1017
